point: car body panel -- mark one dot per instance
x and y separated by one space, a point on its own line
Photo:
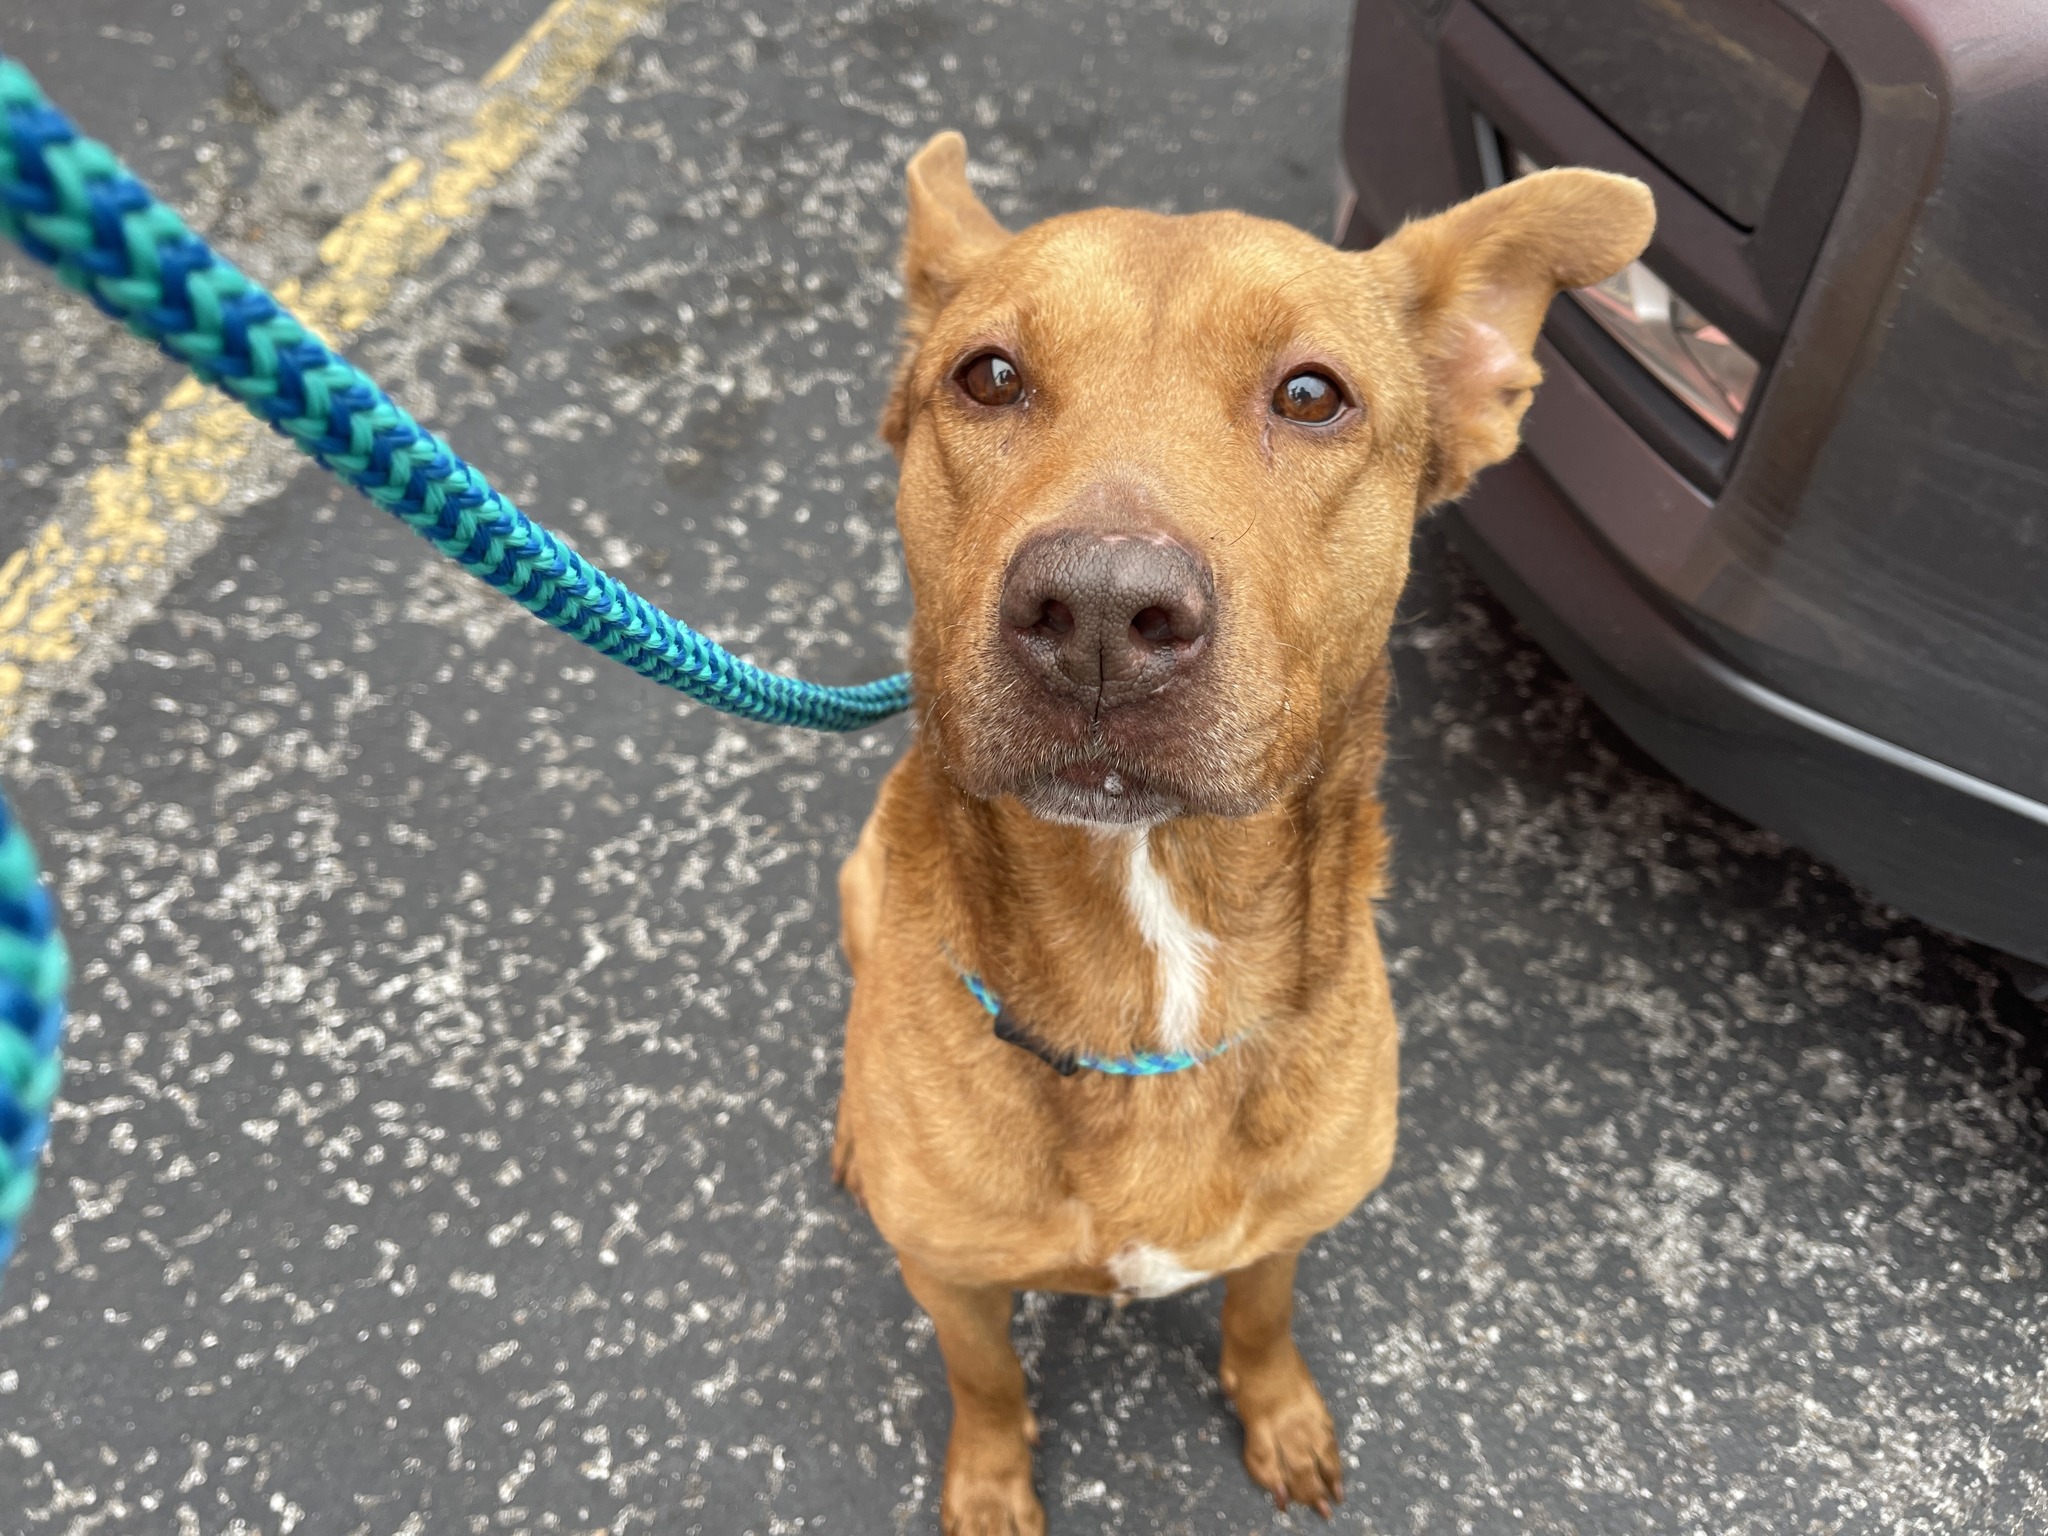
1871 553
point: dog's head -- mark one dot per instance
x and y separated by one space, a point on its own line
1159 475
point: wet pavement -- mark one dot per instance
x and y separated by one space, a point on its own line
458 1018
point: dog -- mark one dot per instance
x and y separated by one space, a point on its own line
1119 1020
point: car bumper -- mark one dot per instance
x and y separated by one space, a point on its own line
1962 854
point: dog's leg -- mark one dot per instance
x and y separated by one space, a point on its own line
988 1462
1290 1445
860 915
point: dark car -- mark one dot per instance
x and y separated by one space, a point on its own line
1783 503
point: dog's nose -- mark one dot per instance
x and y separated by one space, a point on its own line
1111 614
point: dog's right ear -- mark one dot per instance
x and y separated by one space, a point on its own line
947 235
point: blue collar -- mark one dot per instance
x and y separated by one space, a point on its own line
1067 1063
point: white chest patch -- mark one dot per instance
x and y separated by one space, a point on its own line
1180 949
1148 1273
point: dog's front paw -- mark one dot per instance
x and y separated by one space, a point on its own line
1290 1444
985 1506
988 1489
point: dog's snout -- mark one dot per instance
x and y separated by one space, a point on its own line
1110 614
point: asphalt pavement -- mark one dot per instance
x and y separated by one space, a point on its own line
457 1027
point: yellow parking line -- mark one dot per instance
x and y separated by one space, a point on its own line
184 460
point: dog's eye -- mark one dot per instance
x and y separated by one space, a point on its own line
991 379
1309 397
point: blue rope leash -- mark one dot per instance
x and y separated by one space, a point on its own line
67 201
33 971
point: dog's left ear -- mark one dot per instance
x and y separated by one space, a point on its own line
947 234
1480 277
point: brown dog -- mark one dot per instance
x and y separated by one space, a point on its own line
1159 477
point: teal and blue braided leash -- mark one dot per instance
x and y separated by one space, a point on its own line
67 201
33 970
1067 1063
